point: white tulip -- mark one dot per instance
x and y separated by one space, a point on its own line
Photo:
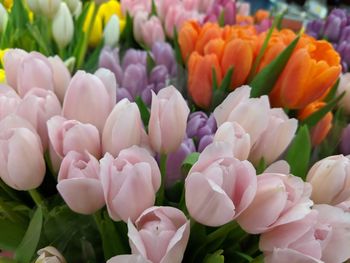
3 18
49 7
62 26
34 6
112 31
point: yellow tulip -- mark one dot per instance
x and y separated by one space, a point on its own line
8 4
2 54
104 13
2 76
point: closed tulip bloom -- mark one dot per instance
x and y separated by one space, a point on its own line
295 242
109 59
279 199
335 22
251 113
330 180
279 132
123 128
133 7
128 258
38 106
63 26
112 31
318 67
152 31
108 79
34 6
129 182
160 234
187 38
88 100
61 77
49 7
167 124
335 229
133 56
72 135
79 183
21 159
3 18
49 254
315 28
235 135
320 131
9 101
34 71
13 121
164 55
219 187
208 32
199 125
135 79
12 60
200 78
344 85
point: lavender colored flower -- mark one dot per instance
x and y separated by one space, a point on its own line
227 7
315 28
335 22
264 25
344 51
175 159
345 34
344 146
163 55
109 59
199 125
205 141
123 93
158 77
135 79
133 56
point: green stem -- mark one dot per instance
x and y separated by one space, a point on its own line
160 194
86 37
35 195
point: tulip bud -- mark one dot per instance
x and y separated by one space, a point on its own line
3 18
9 101
72 5
61 77
63 26
112 31
34 6
22 163
167 124
79 183
12 60
344 85
49 255
123 128
49 7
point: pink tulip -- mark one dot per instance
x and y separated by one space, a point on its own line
251 113
55 159
163 7
109 81
297 241
160 234
37 106
88 100
148 30
128 259
34 71
22 163
9 101
280 199
129 182
280 167
334 231
79 183
123 128
134 6
167 124
12 60
71 135
279 133
234 134
61 77
330 180
219 187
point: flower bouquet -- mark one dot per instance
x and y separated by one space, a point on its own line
169 131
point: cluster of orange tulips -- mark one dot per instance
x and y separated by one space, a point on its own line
309 74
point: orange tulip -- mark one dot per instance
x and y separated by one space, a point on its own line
261 15
308 74
209 31
320 131
200 77
187 38
244 20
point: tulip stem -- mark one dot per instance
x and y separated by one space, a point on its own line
162 166
35 195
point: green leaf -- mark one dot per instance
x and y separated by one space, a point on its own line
177 48
11 234
314 118
36 34
265 80
91 63
29 243
226 82
7 260
154 9
145 114
150 62
217 257
261 166
331 95
298 155
221 20
190 160
244 256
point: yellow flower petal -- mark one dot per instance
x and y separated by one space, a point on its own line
8 4
2 54
2 76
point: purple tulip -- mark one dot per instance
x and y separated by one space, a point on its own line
227 7
199 125
205 141
344 145
345 34
158 77
164 55
110 59
335 22
264 25
344 51
315 28
133 56
175 159
123 93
